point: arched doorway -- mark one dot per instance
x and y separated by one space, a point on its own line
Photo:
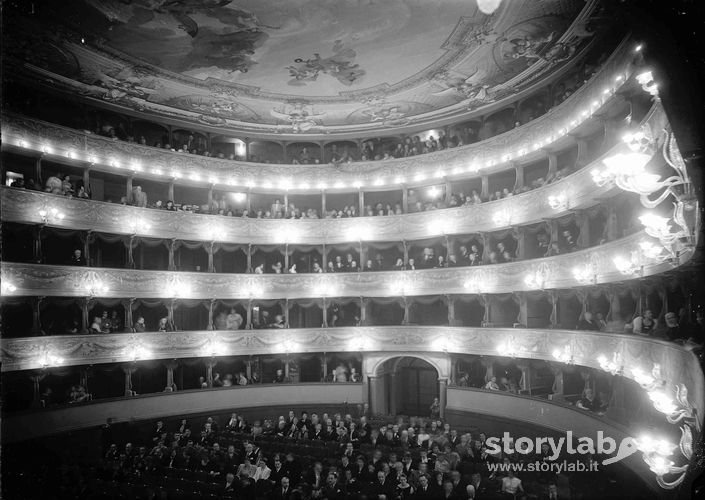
404 385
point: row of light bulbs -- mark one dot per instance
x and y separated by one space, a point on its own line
288 184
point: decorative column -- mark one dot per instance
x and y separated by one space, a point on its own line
36 315
552 164
170 192
405 199
38 255
557 389
582 219
553 299
87 240
286 368
36 377
323 204
324 258
130 251
406 252
249 258
83 378
324 366
325 313
519 234
582 157
363 311
405 320
286 313
363 255
86 177
525 381
210 197
443 396
128 186
211 308
373 394
171 306
361 202
247 148
485 193
209 248
449 192
616 409
86 303
392 393
127 304
523 308
485 301
248 368
450 300
210 363
248 313
488 363
553 226
171 245
128 370
170 367
519 172
38 170
485 248
286 258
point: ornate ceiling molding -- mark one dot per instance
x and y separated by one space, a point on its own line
556 273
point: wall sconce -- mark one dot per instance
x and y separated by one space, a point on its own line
646 80
502 218
659 227
361 343
507 349
648 381
564 355
289 346
675 413
399 287
558 201
51 215
629 267
48 359
7 287
213 348
137 352
213 233
94 287
536 280
585 274
615 366
473 285
176 289
137 225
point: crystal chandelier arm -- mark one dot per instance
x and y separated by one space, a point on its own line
668 184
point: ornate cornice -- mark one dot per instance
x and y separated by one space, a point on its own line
491 155
555 273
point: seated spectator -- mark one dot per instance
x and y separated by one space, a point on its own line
139 325
163 325
170 206
492 385
139 197
233 320
589 402
96 326
671 330
279 377
77 258
399 265
259 269
646 324
601 323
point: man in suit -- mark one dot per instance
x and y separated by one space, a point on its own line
424 491
332 490
381 486
278 471
230 484
315 478
283 491
479 486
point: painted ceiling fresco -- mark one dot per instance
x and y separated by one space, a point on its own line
288 66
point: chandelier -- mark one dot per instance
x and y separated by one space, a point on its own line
615 366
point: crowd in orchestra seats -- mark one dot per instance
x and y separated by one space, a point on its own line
316 455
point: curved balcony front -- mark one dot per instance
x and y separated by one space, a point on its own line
551 272
552 130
